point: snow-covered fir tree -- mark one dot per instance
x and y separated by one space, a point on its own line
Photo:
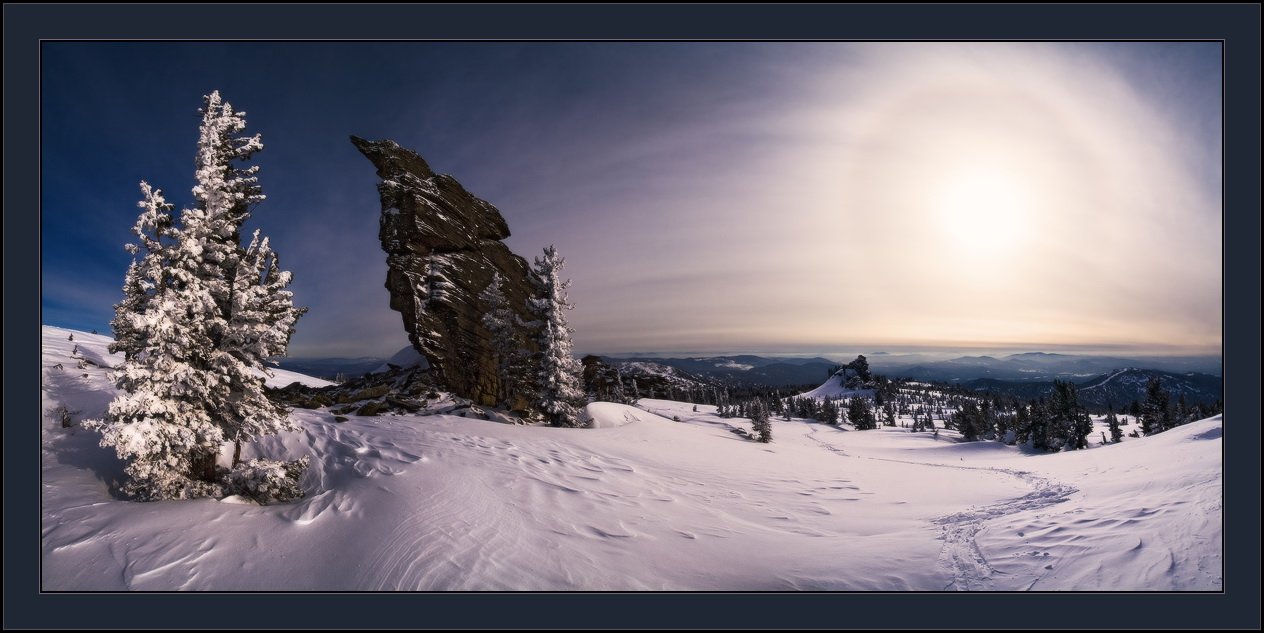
201 316
558 386
760 421
1112 421
1183 413
828 412
1022 424
860 414
1039 423
1155 415
502 324
619 394
968 420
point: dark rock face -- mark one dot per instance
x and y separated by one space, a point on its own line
393 391
442 246
601 379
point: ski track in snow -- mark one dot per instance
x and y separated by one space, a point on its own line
961 555
811 435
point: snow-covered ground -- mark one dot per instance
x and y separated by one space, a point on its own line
439 502
59 349
404 358
833 389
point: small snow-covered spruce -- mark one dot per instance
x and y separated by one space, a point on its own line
860 415
828 412
63 415
1069 424
501 324
968 420
1022 424
200 315
558 385
1004 423
888 413
1039 434
1184 415
620 396
1155 414
760 422
1112 421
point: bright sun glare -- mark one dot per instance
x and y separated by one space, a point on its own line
983 209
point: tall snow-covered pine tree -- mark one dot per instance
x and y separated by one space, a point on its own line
200 317
558 386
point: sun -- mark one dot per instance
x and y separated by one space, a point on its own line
983 208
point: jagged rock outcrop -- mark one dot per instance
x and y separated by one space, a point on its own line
443 246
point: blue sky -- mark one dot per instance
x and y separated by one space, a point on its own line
774 197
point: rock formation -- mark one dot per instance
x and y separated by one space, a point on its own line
442 246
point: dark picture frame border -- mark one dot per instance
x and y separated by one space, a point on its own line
1237 26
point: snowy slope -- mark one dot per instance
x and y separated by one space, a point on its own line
833 388
659 377
1143 514
57 348
404 358
438 502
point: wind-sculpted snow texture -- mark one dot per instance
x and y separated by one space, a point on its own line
640 501
961 554
443 246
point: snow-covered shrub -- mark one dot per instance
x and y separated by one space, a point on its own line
267 480
64 415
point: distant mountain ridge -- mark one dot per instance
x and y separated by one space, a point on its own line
1032 367
1117 388
1101 380
746 369
1038 367
330 367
